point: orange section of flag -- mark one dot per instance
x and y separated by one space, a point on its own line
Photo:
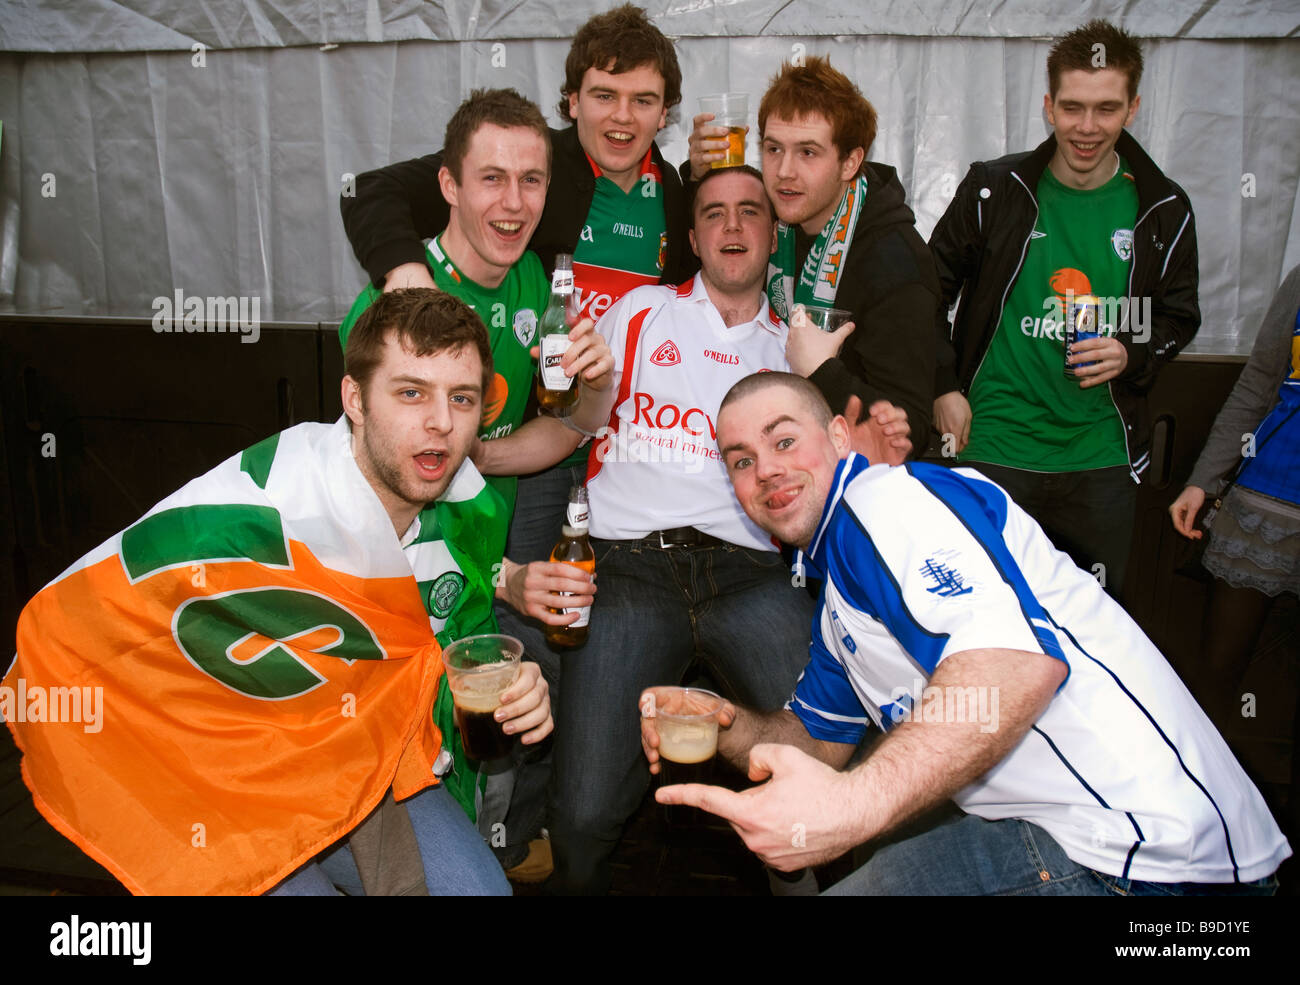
191 784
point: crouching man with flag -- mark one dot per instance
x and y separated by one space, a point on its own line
267 642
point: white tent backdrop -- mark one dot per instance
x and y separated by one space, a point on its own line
132 166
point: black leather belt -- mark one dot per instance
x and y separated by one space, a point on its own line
680 537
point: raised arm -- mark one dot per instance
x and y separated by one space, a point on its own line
394 210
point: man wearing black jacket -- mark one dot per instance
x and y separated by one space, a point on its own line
1087 213
621 80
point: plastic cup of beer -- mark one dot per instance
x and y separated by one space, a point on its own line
825 319
730 110
686 719
479 669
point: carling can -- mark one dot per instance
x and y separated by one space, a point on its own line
1081 322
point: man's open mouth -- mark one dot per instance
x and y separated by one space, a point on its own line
431 461
506 228
734 248
620 137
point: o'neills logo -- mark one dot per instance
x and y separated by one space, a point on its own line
195 314
666 355
726 358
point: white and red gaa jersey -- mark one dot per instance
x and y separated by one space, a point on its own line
657 466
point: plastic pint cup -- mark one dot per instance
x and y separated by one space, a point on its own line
479 669
826 319
730 110
686 719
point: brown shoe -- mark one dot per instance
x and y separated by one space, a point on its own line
537 867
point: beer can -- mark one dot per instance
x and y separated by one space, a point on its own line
1081 322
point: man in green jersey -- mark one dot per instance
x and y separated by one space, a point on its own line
615 204
1087 213
495 176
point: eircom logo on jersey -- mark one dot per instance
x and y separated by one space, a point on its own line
1114 314
661 433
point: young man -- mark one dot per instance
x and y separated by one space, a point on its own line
682 571
494 177
1003 676
846 240
1085 213
614 204
265 651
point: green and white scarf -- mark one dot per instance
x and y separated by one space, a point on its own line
820 276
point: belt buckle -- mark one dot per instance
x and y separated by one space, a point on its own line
665 544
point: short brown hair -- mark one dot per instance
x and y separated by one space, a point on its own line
1098 44
625 37
748 169
426 322
798 91
502 107
807 392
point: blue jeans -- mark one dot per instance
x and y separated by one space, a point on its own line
655 610
969 856
1089 514
457 862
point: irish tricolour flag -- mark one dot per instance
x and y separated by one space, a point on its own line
267 667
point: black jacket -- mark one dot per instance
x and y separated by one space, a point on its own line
397 207
888 281
979 246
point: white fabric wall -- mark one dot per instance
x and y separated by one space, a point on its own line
223 179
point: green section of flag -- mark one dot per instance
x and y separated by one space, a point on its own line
189 534
256 461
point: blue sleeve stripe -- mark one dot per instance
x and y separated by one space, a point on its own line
824 699
1025 597
921 645
826 729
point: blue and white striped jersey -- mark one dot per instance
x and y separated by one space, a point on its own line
1123 769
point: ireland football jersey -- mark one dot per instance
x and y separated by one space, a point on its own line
1026 413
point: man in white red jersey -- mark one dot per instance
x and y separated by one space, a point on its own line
682 570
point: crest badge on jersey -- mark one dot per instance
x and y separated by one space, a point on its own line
663 251
666 354
525 325
946 580
1121 241
444 592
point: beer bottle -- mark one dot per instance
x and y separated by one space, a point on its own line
556 393
573 548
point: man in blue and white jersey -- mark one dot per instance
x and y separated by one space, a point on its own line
1004 678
